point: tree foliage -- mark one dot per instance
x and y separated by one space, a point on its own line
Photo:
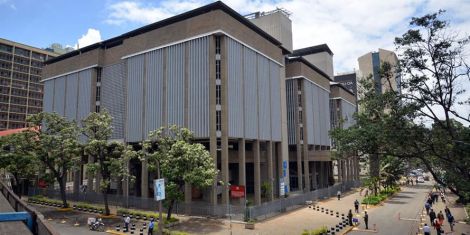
423 122
55 145
111 156
18 158
180 161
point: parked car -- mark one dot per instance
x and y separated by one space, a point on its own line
420 179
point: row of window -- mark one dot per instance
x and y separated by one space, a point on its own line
20 101
20 76
19 109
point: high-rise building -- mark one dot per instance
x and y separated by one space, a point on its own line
370 65
21 91
343 106
348 80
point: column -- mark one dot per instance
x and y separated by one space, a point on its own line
322 174
257 172
144 184
299 167
280 167
76 180
242 166
306 167
125 185
270 168
89 175
224 169
187 197
97 180
212 118
339 170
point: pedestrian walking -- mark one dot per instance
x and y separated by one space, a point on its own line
127 221
427 206
440 217
350 215
438 226
447 211
426 229
366 219
432 216
443 198
451 220
356 206
151 226
338 194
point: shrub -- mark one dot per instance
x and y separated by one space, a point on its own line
318 231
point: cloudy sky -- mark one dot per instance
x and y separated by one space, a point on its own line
350 27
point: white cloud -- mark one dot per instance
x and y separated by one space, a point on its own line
90 37
351 28
8 3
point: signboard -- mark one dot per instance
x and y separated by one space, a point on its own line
282 187
159 189
284 168
42 183
237 191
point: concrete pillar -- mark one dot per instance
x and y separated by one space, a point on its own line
343 171
270 169
280 167
299 167
306 167
144 184
339 171
225 169
187 196
77 181
97 181
257 172
242 166
89 175
212 116
322 173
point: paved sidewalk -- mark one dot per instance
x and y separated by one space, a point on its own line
457 210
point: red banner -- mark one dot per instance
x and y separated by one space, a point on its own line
237 191
42 183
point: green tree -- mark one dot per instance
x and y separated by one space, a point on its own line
434 63
55 145
111 156
180 161
18 158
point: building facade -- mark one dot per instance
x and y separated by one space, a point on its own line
308 121
343 105
223 77
21 91
370 64
210 70
348 80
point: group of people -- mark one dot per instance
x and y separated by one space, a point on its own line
356 210
127 221
437 220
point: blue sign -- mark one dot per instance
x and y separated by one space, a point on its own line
284 164
159 189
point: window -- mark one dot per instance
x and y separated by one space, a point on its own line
301 133
38 56
98 93
218 120
21 60
299 86
21 52
218 94
5 56
300 116
299 100
217 45
6 48
20 76
19 84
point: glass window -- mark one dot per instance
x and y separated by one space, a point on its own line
5 56
38 56
6 48
21 52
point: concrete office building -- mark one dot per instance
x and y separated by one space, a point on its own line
343 106
369 65
320 56
308 119
209 69
21 92
348 80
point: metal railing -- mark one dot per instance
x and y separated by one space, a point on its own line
40 225
200 208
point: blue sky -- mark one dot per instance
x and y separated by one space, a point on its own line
350 27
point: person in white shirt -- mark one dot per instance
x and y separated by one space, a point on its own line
426 229
127 221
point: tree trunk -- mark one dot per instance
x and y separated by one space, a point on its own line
106 206
374 171
63 195
170 209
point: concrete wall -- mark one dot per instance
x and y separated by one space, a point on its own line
323 61
277 25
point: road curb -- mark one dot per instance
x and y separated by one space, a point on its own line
115 232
